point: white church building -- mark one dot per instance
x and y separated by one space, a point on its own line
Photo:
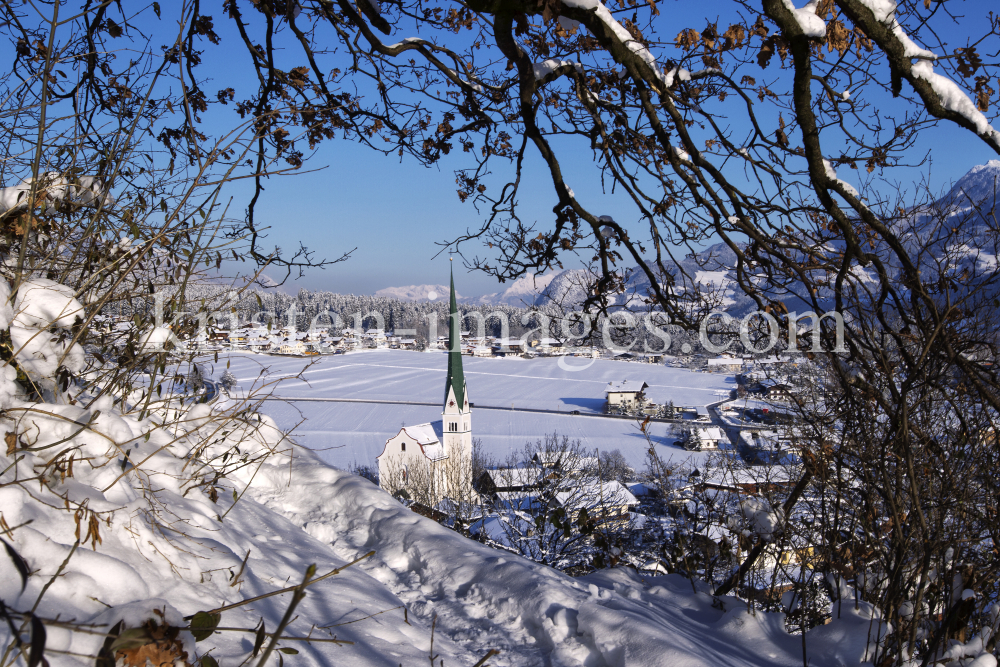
433 461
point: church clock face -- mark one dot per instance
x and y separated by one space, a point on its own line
451 404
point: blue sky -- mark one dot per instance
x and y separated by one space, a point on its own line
396 211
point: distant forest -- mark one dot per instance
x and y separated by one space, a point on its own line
222 308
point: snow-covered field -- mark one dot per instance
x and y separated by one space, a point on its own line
347 433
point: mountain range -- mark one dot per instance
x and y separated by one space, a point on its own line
709 269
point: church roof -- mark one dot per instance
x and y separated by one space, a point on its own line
456 376
429 439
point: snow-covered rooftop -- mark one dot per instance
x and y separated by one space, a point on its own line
625 387
428 436
594 493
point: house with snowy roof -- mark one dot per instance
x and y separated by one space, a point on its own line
505 346
565 461
290 346
628 394
704 439
376 337
605 502
725 364
509 480
433 461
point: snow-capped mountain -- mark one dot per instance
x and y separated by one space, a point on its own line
980 184
566 287
417 293
524 292
710 271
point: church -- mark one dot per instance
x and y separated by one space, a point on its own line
430 462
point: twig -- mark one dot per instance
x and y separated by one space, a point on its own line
239 574
363 618
326 640
297 595
489 654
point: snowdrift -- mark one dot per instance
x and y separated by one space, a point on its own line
179 558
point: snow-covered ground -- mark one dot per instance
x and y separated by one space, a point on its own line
300 511
347 433
208 513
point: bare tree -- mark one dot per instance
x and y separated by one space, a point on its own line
549 503
104 201
734 132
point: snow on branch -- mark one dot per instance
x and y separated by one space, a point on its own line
625 37
550 66
811 25
55 188
942 96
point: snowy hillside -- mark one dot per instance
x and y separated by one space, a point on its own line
980 184
182 558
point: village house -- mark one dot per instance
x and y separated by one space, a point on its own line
259 344
627 395
549 347
565 462
702 439
509 347
605 502
725 364
512 480
772 389
289 346
376 337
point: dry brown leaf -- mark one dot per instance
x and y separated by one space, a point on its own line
837 37
165 649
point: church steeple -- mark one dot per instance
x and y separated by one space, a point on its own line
456 376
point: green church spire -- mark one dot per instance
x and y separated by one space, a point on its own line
456 376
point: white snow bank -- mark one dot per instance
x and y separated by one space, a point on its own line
174 555
156 338
43 303
533 614
41 306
